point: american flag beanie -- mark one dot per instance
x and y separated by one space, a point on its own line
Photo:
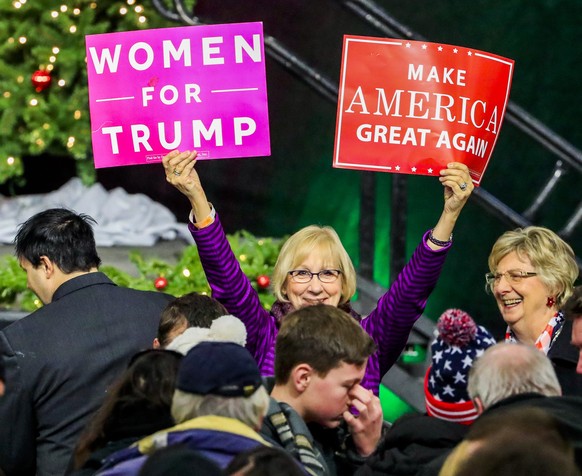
459 341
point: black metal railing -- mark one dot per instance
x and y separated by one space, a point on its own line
568 160
568 157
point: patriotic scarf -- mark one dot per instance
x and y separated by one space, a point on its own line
548 335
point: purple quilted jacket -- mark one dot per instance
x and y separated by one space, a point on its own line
389 324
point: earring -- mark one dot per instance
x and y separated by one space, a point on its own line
550 302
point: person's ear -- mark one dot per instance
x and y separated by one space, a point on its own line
478 405
47 266
301 376
156 343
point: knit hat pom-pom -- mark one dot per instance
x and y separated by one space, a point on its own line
456 327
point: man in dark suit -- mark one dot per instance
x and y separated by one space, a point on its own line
61 359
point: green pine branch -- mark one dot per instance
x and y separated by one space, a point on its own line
256 255
50 36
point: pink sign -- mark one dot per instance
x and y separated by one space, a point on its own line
412 107
197 88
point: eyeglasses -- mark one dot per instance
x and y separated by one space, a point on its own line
513 276
305 276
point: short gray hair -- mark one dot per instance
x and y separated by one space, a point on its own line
508 369
249 410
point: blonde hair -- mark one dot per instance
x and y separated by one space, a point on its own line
319 239
552 258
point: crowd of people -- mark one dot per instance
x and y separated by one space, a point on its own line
108 380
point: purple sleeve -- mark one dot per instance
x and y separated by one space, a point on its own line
233 289
391 321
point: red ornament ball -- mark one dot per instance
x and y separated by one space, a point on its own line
160 283
263 281
41 80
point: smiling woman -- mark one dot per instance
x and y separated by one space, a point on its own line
313 267
314 248
532 275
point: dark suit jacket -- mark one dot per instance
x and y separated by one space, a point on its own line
59 362
412 442
567 411
564 357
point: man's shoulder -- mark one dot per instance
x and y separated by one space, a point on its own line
275 406
425 430
83 299
571 404
99 282
23 329
282 419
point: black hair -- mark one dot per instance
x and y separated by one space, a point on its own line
148 383
63 236
265 461
179 459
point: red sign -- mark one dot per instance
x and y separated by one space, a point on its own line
412 107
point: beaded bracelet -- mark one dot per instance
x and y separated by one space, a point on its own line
434 241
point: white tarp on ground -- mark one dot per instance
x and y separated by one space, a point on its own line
122 219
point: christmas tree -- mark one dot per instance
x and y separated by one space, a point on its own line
43 87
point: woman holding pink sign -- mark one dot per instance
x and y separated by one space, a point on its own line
313 267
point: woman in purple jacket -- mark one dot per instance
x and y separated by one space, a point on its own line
313 267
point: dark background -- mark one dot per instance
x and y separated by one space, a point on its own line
297 186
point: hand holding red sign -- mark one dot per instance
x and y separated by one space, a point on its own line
457 189
413 107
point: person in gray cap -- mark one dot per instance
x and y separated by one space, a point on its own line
218 405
